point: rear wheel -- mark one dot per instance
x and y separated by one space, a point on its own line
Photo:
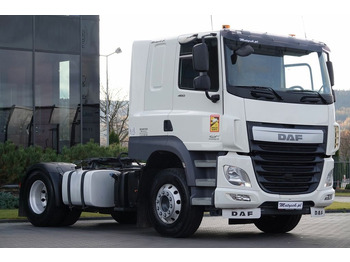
40 201
171 212
277 224
71 216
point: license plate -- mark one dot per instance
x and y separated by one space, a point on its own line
241 213
290 205
317 212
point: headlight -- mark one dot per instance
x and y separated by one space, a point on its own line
329 179
237 176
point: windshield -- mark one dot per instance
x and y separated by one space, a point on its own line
277 73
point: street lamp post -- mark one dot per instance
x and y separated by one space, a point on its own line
117 51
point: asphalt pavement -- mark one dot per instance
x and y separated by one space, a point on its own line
342 199
332 231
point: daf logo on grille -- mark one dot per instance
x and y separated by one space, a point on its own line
290 137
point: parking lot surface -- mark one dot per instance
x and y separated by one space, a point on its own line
333 230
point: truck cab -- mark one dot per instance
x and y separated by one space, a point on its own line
248 117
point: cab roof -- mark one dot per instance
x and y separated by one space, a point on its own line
274 40
261 38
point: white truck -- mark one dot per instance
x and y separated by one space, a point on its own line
231 123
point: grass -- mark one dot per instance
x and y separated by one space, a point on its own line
9 214
338 206
343 193
13 214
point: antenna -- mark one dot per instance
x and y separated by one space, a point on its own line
211 20
302 20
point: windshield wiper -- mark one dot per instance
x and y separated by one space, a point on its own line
313 96
266 92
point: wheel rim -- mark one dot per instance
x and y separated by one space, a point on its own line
38 197
168 203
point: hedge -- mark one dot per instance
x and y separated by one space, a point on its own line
14 160
8 201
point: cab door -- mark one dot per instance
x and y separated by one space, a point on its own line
196 119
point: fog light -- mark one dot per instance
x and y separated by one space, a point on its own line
329 197
237 176
240 197
329 179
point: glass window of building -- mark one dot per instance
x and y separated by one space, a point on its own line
16 96
57 98
49 80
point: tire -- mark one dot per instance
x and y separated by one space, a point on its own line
171 213
277 224
40 201
71 216
128 218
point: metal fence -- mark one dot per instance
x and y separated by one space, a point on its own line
341 174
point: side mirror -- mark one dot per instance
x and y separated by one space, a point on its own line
243 51
200 57
330 72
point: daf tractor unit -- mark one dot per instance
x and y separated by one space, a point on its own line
228 123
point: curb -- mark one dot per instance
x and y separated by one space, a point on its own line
24 220
338 211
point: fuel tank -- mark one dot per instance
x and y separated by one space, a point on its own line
93 188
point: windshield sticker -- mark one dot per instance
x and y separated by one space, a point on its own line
249 41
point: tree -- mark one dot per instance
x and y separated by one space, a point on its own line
345 124
113 138
344 150
342 114
118 112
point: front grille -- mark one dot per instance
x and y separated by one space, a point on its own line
287 168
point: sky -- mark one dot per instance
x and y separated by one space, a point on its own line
324 21
122 22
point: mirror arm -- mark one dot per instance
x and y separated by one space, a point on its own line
211 34
213 98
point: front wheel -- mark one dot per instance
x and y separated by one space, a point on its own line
171 212
277 224
125 217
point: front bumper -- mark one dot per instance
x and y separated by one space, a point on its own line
228 196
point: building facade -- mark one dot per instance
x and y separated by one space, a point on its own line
49 80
